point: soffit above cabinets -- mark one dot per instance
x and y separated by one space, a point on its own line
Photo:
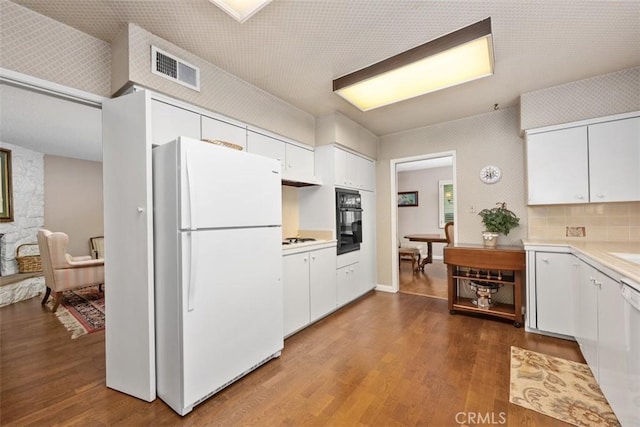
294 49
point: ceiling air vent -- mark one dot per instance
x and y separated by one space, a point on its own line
170 67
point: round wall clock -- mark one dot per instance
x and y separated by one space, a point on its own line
490 174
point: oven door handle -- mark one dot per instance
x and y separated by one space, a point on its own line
350 210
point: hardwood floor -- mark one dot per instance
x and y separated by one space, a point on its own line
385 360
430 282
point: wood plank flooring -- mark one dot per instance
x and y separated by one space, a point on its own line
430 282
384 360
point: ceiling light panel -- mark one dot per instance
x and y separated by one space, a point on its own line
241 10
450 60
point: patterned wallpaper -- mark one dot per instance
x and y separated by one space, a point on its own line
599 96
38 46
220 91
486 139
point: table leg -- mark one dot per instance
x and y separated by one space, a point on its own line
429 258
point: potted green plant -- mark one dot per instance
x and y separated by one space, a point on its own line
498 220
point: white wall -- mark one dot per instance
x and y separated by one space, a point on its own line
28 205
487 139
424 218
73 200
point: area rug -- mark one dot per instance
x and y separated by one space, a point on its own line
81 311
559 388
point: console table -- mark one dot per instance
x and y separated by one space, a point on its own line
501 265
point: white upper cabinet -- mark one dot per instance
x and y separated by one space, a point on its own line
353 171
366 174
220 130
557 171
169 122
264 145
297 162
614 161
592 162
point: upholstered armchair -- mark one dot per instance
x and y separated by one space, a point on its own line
63 272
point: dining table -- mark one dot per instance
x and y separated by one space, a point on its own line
429 239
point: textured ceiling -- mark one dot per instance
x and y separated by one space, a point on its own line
295 48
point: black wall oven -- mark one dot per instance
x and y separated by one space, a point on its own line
348 220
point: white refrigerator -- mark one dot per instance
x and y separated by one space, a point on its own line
217 267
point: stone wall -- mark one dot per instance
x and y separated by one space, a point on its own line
28 205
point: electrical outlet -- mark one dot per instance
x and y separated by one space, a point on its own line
472 208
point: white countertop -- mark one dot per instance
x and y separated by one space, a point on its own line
295 248
598 251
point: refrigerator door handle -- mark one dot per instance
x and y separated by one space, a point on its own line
191 185
193 268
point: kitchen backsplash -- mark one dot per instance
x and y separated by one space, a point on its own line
601 221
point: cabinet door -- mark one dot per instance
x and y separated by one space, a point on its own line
366 174
613 359
322 282
368 246
614 156
217 129
299 161
128 230
586 315
266 146
296 291
341 167
348 283
169 122
554 293
557 167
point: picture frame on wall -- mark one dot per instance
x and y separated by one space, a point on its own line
407 198
6 189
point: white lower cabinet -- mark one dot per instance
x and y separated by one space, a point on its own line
602 330
348 283
554 292
309 287
613 353
295 281
586 315
322 283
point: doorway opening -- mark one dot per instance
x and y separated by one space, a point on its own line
425 189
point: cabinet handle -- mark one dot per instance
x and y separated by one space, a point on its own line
313 257
580 197
599 195
305 259
140 210
545 260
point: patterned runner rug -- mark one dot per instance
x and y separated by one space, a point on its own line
81 311
559 388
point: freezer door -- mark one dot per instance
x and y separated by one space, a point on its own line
221 187
232 305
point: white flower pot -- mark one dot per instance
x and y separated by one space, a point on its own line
490 239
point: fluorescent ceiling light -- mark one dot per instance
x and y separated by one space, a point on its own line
241 10
455 58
